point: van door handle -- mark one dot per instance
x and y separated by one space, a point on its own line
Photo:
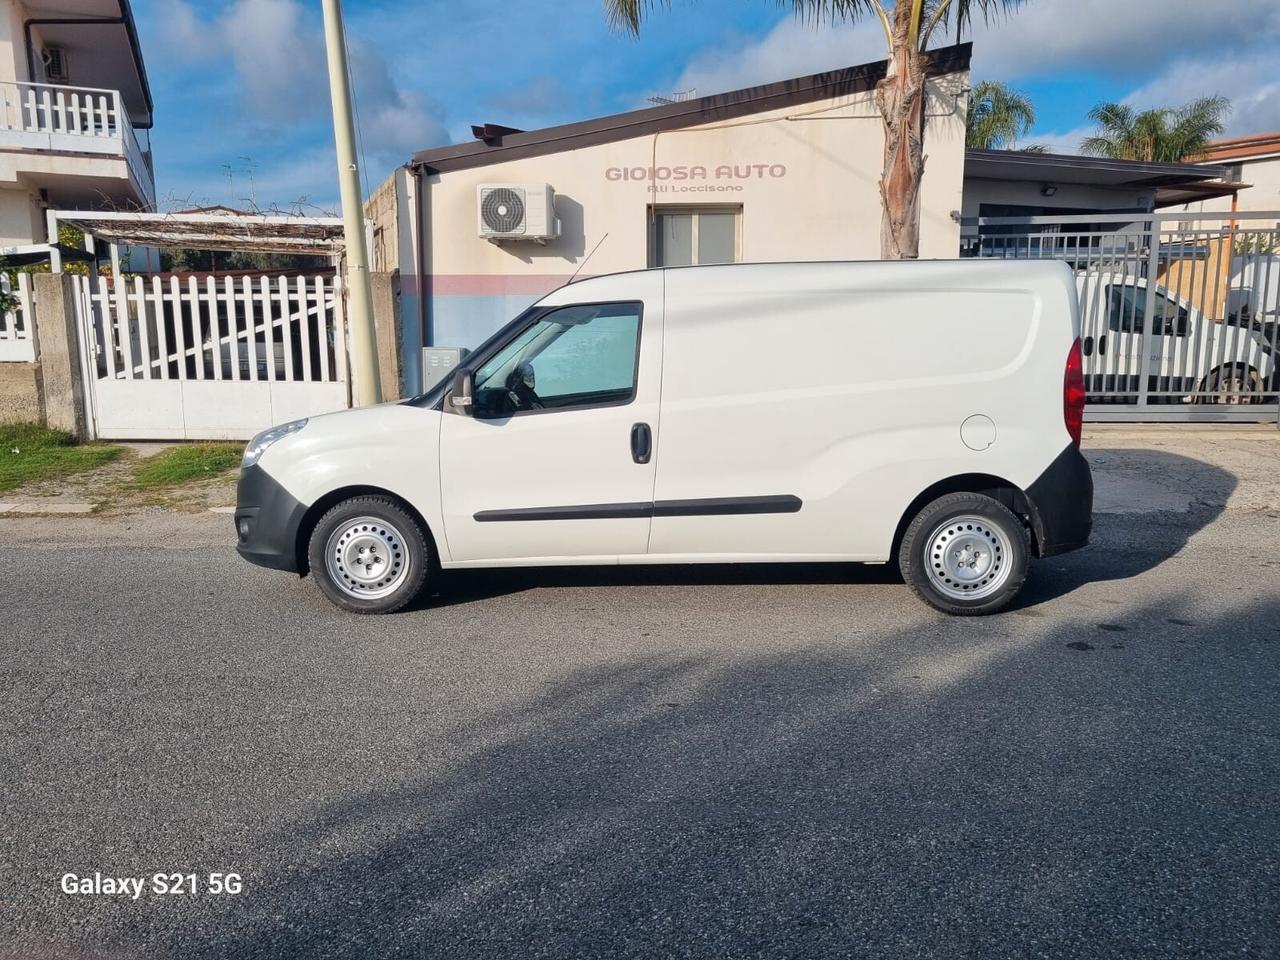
641 442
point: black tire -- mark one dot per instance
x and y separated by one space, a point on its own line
405 557
1007 561
1215 384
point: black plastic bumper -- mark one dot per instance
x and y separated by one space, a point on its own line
1062 498
267 521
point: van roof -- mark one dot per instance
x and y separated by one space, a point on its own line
975 263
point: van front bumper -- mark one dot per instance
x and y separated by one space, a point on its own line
267 521
1062 500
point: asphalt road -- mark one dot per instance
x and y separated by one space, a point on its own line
717 762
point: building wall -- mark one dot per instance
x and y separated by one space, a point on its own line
13 50
1263 176
1263 193
806 179
21 216
1069 196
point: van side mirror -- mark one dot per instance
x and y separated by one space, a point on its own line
461 400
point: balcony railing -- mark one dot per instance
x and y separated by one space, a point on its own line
59 119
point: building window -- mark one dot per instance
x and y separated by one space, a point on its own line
682 236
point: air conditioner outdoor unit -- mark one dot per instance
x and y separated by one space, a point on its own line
517 211
56 69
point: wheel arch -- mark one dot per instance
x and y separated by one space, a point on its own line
997 488
331 499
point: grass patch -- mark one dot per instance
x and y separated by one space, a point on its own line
190 461
30 453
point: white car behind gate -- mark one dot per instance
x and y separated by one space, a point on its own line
1189 357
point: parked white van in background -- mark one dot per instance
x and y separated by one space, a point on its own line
927 412
1190 357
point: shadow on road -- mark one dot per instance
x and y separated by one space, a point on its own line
979 797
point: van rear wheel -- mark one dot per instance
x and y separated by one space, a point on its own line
965 554
368 555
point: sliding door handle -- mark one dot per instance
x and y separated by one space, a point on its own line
641 442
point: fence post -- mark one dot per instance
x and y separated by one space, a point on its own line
387 333
60 353
1148 321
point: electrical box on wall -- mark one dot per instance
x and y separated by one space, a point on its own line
438 363
517 211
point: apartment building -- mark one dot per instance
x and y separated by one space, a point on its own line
75 113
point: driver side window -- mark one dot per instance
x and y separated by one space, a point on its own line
578 356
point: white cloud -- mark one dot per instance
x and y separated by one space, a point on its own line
1159 52
277 49
1117 37
791 49
1251 83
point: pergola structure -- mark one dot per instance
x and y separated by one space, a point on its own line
210 229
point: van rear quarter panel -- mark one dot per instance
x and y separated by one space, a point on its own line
846 385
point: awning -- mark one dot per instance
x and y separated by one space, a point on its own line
213 230
30 254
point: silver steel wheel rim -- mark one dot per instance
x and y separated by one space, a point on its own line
968 558
366 558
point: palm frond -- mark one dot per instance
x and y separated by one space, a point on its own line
629 14
959 13
998 116
1160 135
834 11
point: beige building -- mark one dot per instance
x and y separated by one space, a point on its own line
1253 160
786 171
75 109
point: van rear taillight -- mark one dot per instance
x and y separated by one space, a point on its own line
1073 393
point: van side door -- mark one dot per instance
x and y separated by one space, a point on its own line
556 461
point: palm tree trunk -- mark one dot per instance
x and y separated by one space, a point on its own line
900 99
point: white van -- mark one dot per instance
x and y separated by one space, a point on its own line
923 411
1190 358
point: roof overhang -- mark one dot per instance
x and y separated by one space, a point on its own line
101 41
1192 192
1255 146
320 236
687 113
1093 171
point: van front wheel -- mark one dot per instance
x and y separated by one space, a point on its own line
368 555
965 554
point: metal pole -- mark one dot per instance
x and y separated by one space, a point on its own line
364 351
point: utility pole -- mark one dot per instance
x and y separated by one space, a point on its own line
364 350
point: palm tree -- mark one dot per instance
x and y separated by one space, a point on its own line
1161 135
908 27
998 116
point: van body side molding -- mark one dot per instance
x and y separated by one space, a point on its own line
705 507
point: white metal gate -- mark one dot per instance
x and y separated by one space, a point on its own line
1180 312
209 358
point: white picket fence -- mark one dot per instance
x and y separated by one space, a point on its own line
16 326
210 357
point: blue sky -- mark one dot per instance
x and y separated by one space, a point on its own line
242 98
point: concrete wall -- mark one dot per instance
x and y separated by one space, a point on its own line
21 399
806 179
